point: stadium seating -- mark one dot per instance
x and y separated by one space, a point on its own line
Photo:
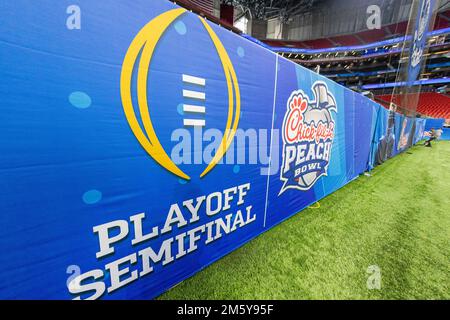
430 104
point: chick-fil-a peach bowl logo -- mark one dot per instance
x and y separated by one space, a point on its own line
308 133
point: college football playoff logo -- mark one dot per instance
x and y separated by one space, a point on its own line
138 57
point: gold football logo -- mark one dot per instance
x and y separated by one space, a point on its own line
144 44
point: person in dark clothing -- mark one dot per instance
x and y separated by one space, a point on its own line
432 136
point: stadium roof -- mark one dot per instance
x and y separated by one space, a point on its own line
268 9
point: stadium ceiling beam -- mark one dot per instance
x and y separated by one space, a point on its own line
269 9
444 17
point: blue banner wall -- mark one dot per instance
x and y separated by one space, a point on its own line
434 124
121 171
351 116
380 122
445 134
438 124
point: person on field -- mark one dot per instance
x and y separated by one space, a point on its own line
432 135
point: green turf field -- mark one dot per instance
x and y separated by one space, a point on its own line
398 219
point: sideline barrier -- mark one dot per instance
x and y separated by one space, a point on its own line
93 204
438 124
434 124
445 134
